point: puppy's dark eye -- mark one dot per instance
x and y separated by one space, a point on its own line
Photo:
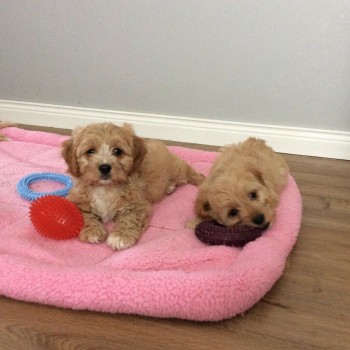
253 195
91 151
233 212
118 152
206 206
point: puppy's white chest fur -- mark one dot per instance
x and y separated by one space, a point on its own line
104 202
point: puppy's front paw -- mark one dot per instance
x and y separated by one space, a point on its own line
192 223
118 241
93 234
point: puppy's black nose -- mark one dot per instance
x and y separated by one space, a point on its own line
259 220
105 169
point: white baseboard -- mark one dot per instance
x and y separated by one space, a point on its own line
284 139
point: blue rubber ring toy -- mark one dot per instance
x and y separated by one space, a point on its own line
26 193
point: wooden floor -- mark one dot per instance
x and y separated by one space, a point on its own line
308 308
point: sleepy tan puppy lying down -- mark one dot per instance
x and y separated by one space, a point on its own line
243 186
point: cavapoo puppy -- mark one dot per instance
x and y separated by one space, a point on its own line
243 186
118 176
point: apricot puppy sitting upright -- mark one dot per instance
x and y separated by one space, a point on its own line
243 186
118 177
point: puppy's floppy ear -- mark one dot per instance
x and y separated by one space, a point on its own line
139 151
202 206
139 148
273 197
68 155
257 174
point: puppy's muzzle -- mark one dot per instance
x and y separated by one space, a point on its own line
260 221
105 170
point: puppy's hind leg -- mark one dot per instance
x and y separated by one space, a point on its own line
193 177
5 125
170 188
183 173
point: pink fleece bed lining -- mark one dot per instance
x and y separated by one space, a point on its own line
169 273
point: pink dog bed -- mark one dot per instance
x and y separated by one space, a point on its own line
169 273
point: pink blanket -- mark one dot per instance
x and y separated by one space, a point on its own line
169 273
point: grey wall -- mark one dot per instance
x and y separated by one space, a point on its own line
278 62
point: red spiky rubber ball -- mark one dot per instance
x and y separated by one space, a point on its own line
56 217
